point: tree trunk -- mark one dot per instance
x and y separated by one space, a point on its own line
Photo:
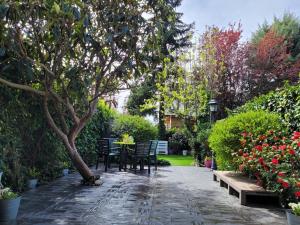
161 120
80 165
69 142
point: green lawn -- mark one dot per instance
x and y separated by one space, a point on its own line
178 160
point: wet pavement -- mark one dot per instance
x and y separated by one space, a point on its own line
172 195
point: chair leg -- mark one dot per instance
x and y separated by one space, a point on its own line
134 165
155 162
106 163
97 162
149 165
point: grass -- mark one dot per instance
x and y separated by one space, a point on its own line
178 160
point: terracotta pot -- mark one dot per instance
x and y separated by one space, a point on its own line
207 163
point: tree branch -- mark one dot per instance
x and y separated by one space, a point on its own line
21 87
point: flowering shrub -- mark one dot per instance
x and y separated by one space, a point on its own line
274 160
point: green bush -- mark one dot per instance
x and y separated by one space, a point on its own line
26 140
225 135
136 126
178 142
202 138
285 102
98 127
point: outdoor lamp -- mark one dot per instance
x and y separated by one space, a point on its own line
213 105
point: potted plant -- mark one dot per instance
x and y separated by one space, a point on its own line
33 175
66 166
293 214
1 186
207 162
9 206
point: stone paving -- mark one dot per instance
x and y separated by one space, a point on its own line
172 195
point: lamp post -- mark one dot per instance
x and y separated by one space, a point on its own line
213 108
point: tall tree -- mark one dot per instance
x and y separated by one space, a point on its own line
69 54
170 35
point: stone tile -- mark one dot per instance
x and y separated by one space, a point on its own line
170 196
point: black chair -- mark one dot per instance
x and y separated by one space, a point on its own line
107 150
140 155
145 152
152 154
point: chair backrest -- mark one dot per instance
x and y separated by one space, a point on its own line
141 149
162 147
153 147
104 146
111 142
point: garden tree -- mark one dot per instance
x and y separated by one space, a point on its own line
70 54
184 95
221 66
171 35
273 55
271 63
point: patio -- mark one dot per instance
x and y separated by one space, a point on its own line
172 195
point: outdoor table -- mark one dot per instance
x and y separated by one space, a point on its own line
124 153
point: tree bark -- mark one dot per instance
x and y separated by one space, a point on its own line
161 120
69 142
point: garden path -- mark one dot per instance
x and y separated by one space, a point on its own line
172 195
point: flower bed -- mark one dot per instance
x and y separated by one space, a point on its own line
274 160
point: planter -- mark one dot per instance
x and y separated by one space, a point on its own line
184 152
9 210
65 172
207 163
1 186
32 183
291 218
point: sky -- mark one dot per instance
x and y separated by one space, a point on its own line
250 13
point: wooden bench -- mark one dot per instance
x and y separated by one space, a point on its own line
238 184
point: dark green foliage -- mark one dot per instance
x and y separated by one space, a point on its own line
203 133
137 127
26 140
99 126
163 162
285 102
226 134
178 142
137 97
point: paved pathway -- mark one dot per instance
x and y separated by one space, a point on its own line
173 195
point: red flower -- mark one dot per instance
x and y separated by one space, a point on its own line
245 155
281 174
292 152
274 147
262 137
244 134
261 160
276 138
297 194
296 135
275 161
265 145
282 147
258 148
298 144
279 180
298 184
285 184
241 167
